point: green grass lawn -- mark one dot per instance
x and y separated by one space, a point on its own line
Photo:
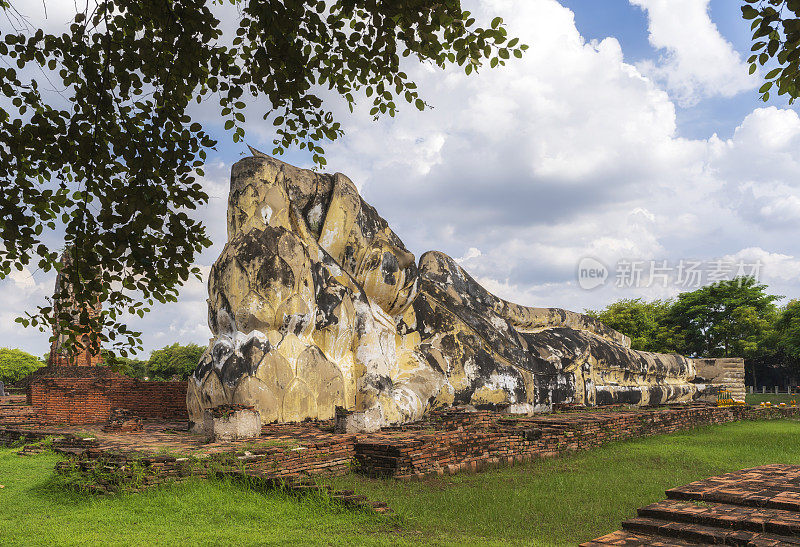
35 509
549 502
774 398
568 500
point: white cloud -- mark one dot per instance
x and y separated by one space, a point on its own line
472 252
772 267
759 165
19 292
698 62
569 152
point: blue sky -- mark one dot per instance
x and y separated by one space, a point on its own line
628 24
630 133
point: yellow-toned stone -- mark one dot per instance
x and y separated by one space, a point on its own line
273 209
319 373
299 402
408 362
445 397
488 395
234 283
300 263
295 315
342 211
335 342
274 338
254 313
324 379
214 392
194 403
276 373
291 346
254 392
241 214
274 280
329 398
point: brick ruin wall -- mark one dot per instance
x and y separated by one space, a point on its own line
452 442
285 463
90 400
458 441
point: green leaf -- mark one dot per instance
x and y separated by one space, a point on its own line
748 12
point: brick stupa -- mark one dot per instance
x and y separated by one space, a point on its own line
59 355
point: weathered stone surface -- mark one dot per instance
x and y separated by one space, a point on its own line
232 423
316 303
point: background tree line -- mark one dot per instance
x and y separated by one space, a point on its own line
164 364
734 318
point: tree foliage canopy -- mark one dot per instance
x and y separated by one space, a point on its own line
174 360
638 319
724 319
15 364
97 139
163 364
788 330
776 41
736 318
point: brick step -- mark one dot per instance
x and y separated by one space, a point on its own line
630 539
701 534
723 515
30 450
743 498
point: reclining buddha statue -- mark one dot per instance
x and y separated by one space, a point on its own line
315 303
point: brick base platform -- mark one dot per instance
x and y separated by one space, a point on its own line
759 506
15 413
454 441
448 442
